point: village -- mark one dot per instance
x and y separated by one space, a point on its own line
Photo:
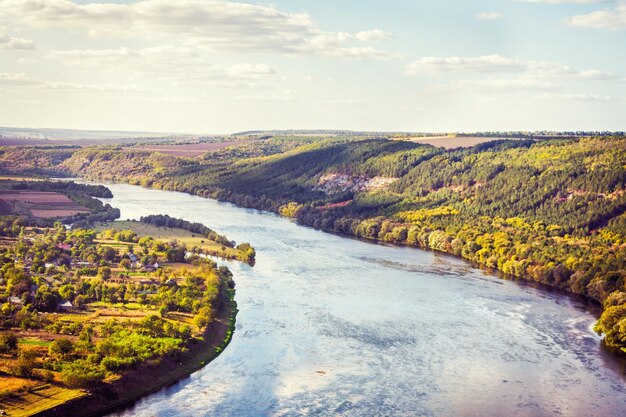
78 307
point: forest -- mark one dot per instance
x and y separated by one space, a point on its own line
551 211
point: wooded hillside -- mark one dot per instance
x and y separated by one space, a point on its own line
552 211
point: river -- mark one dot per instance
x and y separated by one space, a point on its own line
335 326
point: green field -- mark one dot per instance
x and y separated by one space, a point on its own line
191 240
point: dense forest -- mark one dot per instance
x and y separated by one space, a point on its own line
64 187
552 210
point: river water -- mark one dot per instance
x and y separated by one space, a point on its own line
334 326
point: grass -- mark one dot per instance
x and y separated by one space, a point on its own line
125 306
168 234
30 341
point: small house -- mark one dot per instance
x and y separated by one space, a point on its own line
66 306
133 258
16 301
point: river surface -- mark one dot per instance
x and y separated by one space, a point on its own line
335 326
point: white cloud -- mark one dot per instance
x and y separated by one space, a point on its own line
253 71
27 61
372 35
579 97
614 19
488 63
286 95
489 16
77 87
17 79
218 24
179 64
499 64
596 75
22 80
494 84
494 73
10 42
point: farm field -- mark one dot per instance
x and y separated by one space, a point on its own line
39 204
186 150
35 396
452 142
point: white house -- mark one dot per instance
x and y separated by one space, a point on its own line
66 306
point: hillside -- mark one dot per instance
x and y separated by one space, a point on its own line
552 211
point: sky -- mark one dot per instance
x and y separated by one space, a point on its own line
218 66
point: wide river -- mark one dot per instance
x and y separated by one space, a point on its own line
334 326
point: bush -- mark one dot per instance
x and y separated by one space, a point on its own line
8 343
81 374
25 363
61 348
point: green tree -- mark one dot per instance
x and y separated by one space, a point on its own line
8 343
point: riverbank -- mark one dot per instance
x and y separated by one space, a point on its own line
351 310
549 272
151 377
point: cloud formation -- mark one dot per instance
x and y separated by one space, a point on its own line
219 24
498 64
495 73
486 63
16 79
22 80
580 97
493 85
10 42
179 64
611 19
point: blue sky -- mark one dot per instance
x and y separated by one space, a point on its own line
216 66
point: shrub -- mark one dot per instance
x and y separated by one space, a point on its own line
81 374
8 343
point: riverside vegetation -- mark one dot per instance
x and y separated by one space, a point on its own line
90 311
552 211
